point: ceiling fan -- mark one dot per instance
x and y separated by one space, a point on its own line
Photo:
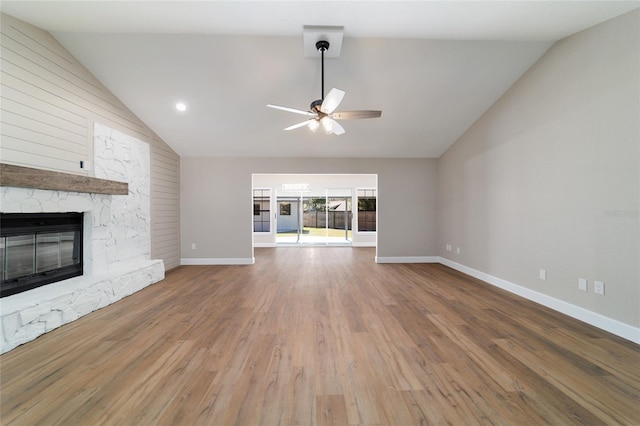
322 111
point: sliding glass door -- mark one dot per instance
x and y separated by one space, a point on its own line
315 219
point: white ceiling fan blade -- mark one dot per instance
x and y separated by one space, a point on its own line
297 111
304 123
337 129
347 115
331 126
332 100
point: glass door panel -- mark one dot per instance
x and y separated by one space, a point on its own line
288 219
339 213
314 212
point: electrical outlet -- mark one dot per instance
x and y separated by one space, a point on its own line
582 284
193 246
448 247
598 287
458 250
542 274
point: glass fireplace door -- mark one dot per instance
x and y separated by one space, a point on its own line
38 249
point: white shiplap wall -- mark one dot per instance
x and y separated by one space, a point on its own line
48 105
165 204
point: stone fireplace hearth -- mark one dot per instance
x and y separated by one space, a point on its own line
116 242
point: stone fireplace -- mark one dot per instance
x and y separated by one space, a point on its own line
116 240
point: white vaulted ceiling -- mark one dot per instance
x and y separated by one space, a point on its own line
432 67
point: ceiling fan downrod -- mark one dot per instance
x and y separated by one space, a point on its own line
322 46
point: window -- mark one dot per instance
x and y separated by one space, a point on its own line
261 210
285 209
366 210
315 204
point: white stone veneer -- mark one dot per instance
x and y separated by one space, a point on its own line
27 315
117 242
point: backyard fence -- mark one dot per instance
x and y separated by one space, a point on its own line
318 219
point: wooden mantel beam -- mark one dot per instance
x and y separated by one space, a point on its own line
26 177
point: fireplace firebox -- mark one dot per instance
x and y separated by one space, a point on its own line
38 249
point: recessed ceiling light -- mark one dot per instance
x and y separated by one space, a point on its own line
180 106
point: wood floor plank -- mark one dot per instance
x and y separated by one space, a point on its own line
247 401
331 410
605 403
321 336
539 395
278 376
481 358
183 409
327 360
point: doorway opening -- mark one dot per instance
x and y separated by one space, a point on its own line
318 209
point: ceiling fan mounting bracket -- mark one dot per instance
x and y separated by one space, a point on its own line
314 33
322 45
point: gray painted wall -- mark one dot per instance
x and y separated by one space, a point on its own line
49 105
216 202
548 178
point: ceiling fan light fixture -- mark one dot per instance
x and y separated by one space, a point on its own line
327 125
313 125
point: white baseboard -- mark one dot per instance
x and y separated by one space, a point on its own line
616 327
264 244
364 244
218 261
408 259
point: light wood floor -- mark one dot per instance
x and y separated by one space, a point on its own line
318 336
